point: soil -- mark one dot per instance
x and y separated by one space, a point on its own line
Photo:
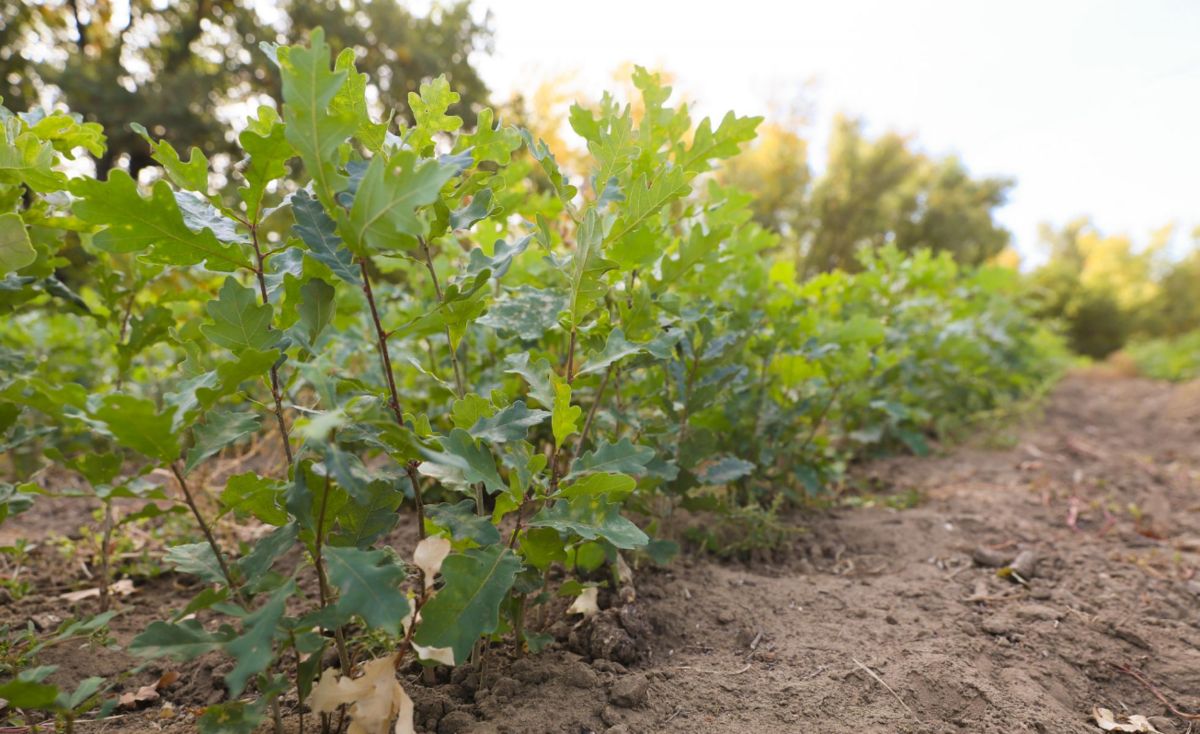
880 618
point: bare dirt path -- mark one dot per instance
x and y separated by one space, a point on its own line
882 620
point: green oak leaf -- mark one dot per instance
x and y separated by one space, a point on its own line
309 86
319 232
221 429
468 606
369 582
527 311
363 523
26 690
192 175
725 142
30 161
232 717
67 131
541 547
463 522
591 517
468 410
240 322
541 153
429 111
477 210
133 224
253 650
592 485
622 457
383 215
185 640
265 142
258 562
255 495
352 98
617 347
646 198
614 149
724 471
16 251
699 248
201 392
511 424
538 375
138 424
587 268
472 463
198 559
489 143
317 307
564 417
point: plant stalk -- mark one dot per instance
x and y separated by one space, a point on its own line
459 384
208 535
323 581
262 289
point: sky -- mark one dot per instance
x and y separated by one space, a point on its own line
1092 106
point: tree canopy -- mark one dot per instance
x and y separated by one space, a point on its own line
149 64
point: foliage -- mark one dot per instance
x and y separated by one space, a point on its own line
1168 358
146 65
447 320
871 192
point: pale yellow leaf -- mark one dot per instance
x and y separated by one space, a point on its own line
585 603
429 556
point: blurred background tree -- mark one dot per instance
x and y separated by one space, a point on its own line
872 191
148 60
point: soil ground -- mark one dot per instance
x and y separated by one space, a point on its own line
877 620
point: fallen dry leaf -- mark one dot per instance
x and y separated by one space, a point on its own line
144 694
124 587
375 698
1108 722
167 679
585 603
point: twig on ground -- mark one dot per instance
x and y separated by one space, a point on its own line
1150 687
879 680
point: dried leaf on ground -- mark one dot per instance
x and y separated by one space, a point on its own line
375 699
1108 722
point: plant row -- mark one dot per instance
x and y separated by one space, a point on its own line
446 321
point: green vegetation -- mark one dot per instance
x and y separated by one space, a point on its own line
423 318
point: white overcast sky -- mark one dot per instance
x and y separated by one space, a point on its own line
1092 105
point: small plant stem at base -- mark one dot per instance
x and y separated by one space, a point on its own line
105 573
276 714
519 628
208 535
323 581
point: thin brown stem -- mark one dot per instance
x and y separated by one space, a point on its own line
208 535
381 342
411 469
459 384
262 289
587 424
